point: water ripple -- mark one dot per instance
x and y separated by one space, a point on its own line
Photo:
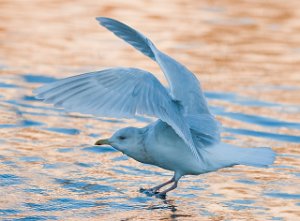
29 78
262 134
83 187
263 121
99 149
62 204
233 98
70 131
46 176
283 195
6 85
36 218
10 180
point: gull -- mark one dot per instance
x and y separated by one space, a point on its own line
184 139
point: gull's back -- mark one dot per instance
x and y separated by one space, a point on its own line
167 150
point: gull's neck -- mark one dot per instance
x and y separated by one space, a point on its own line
138 150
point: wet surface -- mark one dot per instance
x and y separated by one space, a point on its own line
246 54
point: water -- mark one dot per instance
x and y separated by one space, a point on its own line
247 57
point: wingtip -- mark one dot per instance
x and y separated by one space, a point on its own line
38 97
37 93
101 20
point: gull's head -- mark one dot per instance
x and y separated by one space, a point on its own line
124 140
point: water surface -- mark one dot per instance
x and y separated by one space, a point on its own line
246 54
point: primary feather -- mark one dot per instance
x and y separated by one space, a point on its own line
118 92
184 86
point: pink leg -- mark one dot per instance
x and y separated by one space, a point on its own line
174 186
156 188
175 179
163 194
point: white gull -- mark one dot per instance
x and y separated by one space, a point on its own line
186 136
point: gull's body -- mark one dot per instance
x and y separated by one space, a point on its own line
185 138
162 147
158 144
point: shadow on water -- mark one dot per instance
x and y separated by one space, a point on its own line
104 203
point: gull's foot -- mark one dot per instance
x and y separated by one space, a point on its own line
161 195
142 189
148 192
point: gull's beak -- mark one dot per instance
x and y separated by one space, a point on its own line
102 141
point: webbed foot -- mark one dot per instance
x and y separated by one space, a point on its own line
148 192
161 195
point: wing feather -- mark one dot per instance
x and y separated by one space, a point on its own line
118 92
184 86
128 34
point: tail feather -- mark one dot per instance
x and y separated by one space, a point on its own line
226 155
258 157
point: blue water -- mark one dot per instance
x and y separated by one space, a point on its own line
236 99
7 85
245 181
283 195
34 78
266 135
10 180
261 120
70 131
99 149
242 204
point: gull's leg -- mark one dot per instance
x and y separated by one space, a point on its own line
174 186
153 190
156 188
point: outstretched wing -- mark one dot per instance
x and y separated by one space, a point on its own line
184 86
118 92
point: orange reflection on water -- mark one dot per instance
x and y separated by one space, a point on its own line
241 50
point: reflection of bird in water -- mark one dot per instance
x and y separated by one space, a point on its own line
185 138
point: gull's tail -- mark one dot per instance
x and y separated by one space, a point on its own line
225 155
258 157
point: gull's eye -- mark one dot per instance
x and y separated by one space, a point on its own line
121 138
